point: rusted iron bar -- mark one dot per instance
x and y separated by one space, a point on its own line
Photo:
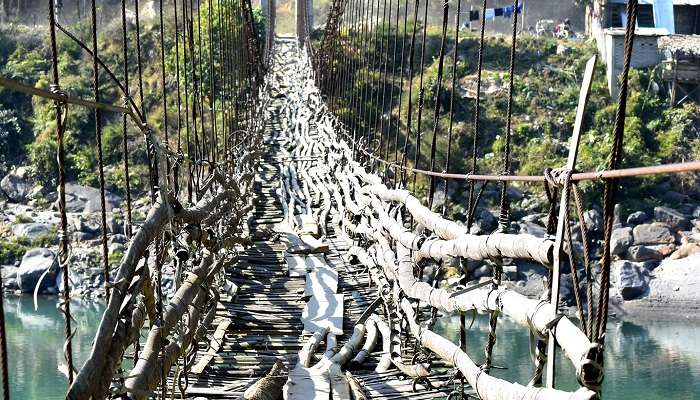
691 166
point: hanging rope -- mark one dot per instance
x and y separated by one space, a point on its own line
438 95
504 212
98 143
63 252
421 97
453 88
125 139
610 186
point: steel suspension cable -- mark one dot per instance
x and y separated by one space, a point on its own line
409 112
163 87
178 100
98 143
477 117
63 251
611 186
504 213
438 94
450 127
401 90
125 139
421 97
393 83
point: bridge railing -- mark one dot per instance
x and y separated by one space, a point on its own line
199 123
372 71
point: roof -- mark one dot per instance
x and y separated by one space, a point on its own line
683 44
675 2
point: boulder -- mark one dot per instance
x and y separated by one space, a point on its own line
617 221
654 233
86 199
673 197
36 262
647 253
532 229
637 217
118 238
632 279
16 185
484 270
620 240
676 220
83 236
485 220
32 230
594 220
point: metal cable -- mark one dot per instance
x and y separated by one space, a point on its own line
452 110
438 94
63 237
610 187
504 209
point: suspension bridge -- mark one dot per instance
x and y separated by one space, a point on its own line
287 210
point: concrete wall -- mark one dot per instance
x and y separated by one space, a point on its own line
645 53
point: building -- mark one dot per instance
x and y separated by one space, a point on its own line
667 32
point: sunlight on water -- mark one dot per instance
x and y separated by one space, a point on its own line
35 344
647 360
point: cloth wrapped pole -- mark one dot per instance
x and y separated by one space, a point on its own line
487 387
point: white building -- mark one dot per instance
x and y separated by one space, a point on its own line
678 19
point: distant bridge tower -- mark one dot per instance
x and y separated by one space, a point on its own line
304 17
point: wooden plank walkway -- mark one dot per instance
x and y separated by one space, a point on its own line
263 321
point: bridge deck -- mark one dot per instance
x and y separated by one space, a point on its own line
263 321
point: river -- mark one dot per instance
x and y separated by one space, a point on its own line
649 360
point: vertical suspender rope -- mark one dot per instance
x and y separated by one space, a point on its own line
409 112
504 214
398 173
390 107
178 101
421 98
98 143
438 94
164 90
377 65
212 87
125 140
185 70
200 91
448 154
63 236
472 201
384 73
610 186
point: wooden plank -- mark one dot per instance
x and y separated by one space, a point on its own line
307 384
561 222
214 347
296 265
324 310
320 279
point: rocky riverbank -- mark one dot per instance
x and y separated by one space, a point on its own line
655 269
29 224
656 256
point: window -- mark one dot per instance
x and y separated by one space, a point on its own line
687 19
645 16
617 15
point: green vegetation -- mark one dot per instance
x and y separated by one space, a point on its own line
13 249
548 74
28 124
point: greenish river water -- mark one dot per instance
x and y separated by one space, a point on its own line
649 360
645 361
